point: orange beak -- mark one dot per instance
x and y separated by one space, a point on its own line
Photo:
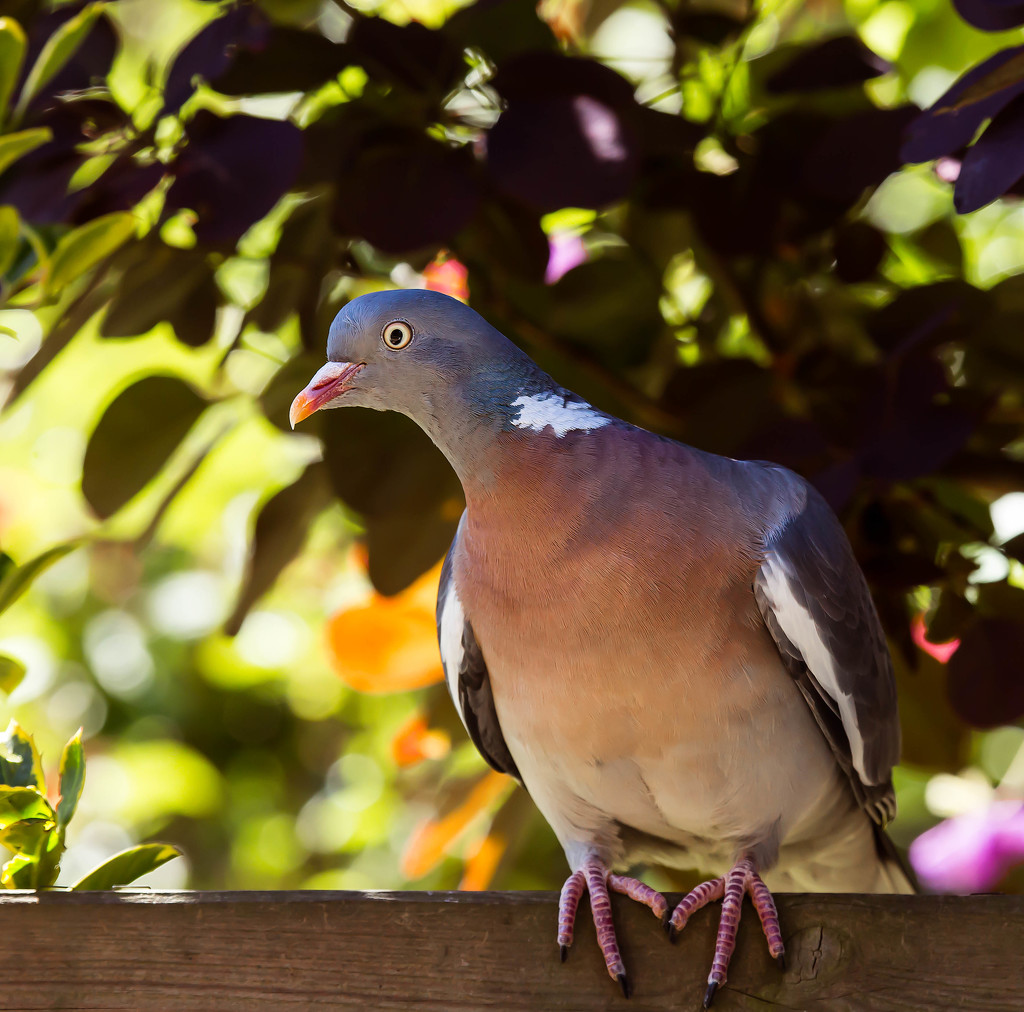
329 382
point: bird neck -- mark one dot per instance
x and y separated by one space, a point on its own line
523 454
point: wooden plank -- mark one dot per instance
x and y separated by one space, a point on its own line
465 951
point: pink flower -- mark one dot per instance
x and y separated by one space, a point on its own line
566 251
972 852
940 651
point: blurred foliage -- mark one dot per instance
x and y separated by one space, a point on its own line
697 217
34 830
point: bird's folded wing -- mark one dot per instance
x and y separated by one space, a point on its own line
817 607
466 673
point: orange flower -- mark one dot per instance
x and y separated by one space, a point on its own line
447 275
416 742
481 866
431 840
389 644
564 17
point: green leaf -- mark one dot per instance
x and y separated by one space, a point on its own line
14 581
128 866
10 234
20 803
13 146
72 779
58 49
27 836
12 52
134 438
19 872
86 246
12 671
20 765
35 869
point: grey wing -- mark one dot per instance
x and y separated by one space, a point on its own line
466 673
815 602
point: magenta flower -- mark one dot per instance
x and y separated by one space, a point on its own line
566 251
971 853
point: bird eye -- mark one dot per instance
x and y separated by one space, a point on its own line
397 334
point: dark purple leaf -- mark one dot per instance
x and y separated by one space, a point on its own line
737 214
724 403
209 54
37 184
563 151
941 130
120 188
928 314
411 55
547 75
856 152
233 171
834 63
858 248
991 15
88 66
906 420
994 163
504 241
405 191
986 674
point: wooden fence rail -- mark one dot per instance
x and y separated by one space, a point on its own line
175 951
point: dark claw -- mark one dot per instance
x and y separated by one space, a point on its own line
563 952
624 984
670 930
780 959
709 994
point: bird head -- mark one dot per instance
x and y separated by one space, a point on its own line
411 351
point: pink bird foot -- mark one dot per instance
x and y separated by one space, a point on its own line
730 889
596 879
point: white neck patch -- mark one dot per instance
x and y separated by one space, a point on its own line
538 411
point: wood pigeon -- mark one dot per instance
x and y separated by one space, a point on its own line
675 653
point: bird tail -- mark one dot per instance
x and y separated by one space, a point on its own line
894 874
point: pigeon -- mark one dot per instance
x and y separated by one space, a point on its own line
674 652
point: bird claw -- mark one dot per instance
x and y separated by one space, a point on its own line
624 984
742 880
563 952
598 880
